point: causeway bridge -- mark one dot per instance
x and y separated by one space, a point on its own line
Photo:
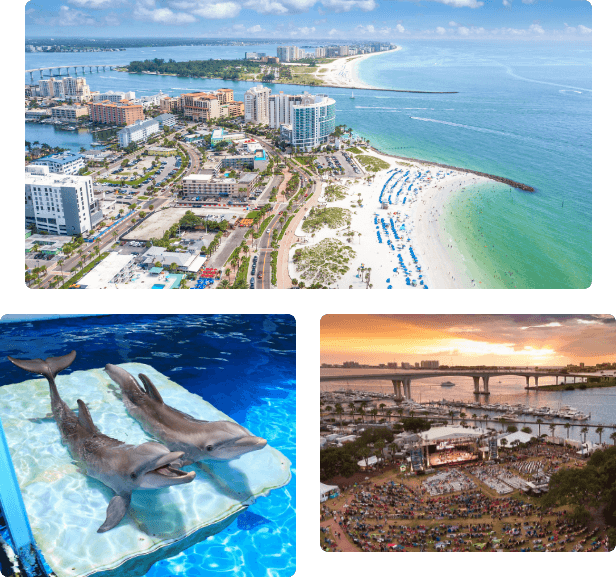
68 68
402 381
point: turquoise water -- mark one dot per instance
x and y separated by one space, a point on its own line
158 286
523 111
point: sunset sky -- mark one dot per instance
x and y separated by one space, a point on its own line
517 340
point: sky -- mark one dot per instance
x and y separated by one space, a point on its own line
503 340
378 20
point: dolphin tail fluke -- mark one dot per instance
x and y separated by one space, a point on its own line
49 367
115 512
150 389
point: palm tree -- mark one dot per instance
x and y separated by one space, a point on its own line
474 415
584 430
539 421
567 427
451 414
552 428
339 412
613 437
388 412
599 431
374 412
362 412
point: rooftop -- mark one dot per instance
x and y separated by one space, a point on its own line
60 158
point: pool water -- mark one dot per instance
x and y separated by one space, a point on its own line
158 286
243 364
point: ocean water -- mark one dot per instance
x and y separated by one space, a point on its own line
243 364
599 403
522 111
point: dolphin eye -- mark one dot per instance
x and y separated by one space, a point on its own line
133 475
209 448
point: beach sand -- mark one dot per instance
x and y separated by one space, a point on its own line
342 72
418 222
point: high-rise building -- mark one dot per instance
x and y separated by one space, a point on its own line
429 364
76 88
60 204
112 96
320 52
312 121
280 108
200 106
256 105
287 53
121 113
224 95
343 50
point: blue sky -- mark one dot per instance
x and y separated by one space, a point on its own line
393 20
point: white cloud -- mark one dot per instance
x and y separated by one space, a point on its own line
69 17
254 29
455 24
306 30
348 5
368 29
440 30
528 1
507 3
112 19
95 4
334 32
464 31
219 10
399 28
537 29
461 3
146 10
266 6
584 30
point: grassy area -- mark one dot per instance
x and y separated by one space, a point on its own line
263 226
322 70
355 150
334 192
580 386
324 262
84 271
274 266
308 69
332 217
372 163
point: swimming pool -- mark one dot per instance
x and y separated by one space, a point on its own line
242 364
158 286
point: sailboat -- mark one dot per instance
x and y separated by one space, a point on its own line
352 96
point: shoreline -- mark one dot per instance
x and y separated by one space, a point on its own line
417 218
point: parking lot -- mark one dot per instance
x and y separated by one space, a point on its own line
341 163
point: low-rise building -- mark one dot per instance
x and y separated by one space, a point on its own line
69 113
36 114
203 186
112 96
65 163
138 132
48 244
166 120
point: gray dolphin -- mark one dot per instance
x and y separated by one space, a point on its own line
199 440
123 468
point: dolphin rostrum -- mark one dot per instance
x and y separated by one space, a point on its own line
199 440
123 468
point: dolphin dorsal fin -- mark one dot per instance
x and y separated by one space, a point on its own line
150 389
85 419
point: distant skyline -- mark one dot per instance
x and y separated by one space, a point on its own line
509 340
337 20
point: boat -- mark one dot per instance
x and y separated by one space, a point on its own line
352 95
448 384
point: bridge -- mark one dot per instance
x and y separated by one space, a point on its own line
75 67
402 381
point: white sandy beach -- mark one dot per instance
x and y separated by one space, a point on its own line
342 72
417 222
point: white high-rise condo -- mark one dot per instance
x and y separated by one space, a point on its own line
256 105
59 203
312 121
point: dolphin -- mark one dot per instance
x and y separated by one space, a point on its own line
198 440
123 468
